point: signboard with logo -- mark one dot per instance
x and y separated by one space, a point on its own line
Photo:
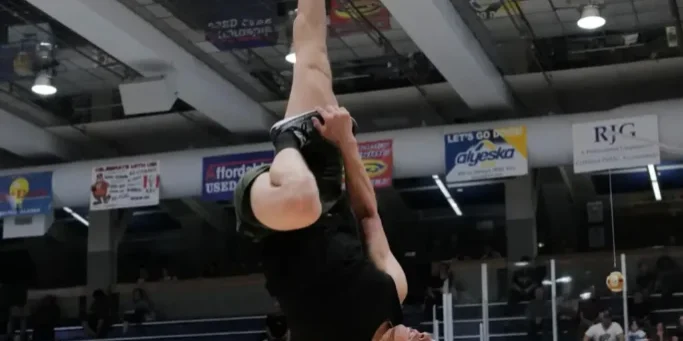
345 15
221 173
241 24
125 185
378 158
25 194
492 9
486 154
618 143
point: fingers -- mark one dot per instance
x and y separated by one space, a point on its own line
318 125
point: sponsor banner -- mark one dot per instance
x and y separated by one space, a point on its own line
221 173
378 158
618 143
242 24
343 12
25 194
125 185
486 154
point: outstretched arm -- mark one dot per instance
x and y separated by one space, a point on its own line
338 129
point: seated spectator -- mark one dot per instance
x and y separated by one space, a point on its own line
166 275
678 334
640 308
645 280
635 332
276 326
490 253
536 315
589 311
141 312
143 275
97 321
524 282
660 333
605 330
45 319
567 315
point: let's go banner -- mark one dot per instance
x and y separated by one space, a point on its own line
486 154
221 173
25 194
378 158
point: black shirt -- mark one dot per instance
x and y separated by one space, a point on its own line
326 286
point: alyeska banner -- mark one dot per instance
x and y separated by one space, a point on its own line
25 194
619 143
346 17
125 185
221 173
486 154
378 158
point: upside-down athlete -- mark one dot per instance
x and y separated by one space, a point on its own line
330 284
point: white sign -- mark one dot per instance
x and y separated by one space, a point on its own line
125 185
613 144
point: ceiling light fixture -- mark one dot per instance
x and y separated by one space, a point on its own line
447 195
291 57
43 85
590 18
655 182
76 216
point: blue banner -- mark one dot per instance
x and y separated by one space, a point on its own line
25 194
221 173
242 24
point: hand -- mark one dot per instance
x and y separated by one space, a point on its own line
338 126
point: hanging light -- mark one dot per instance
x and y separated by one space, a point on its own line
291 57
43 84
590 18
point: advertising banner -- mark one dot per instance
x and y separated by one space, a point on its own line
378 158
221 173
125 185
343 12
486 154
618 143
25 194
242 24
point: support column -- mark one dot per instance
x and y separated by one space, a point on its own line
104 234
520 215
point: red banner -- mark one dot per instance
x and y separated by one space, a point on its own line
378 158
343 11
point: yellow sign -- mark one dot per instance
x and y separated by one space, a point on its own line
365 8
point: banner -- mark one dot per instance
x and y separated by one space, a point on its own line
221 173
342 14
493 9
486 154
378 158
618 143
25 194
242 24
125 185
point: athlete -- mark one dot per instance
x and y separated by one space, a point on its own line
330 283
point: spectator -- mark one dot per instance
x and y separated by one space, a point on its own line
166 275
660 333
536 315
640 308
667 273
567 315
45 319
635 332
678 335
605 330
141 312
15 297
645 280
524 282
589 311
490 253
97 321
276 326
143 275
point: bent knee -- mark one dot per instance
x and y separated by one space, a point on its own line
303 200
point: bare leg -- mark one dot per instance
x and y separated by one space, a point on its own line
287 197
